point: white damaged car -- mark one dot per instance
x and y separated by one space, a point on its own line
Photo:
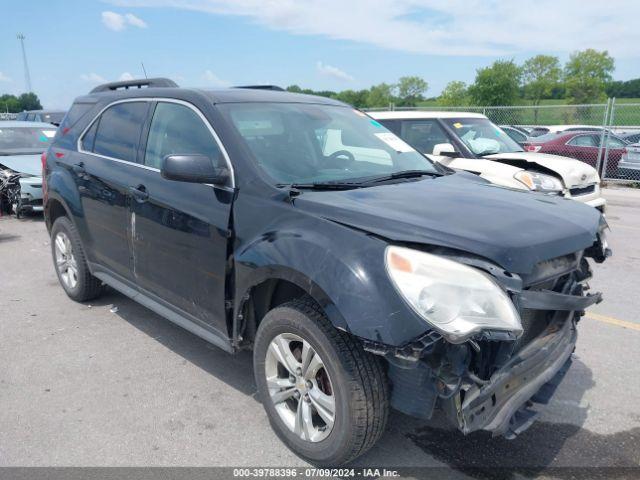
471 142
21 145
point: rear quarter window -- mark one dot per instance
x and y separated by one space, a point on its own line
73 116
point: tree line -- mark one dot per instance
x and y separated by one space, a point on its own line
26 101
584 78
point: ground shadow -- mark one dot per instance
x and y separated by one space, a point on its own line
8 237
560 449
234 370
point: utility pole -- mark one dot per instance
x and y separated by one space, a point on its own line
27 77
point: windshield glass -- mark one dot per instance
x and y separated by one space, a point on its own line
308 143
25 140
481 136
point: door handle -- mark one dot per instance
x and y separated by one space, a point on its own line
139 193
79 168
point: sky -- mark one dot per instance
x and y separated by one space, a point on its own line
73 45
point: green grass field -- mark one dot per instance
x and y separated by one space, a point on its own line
556 112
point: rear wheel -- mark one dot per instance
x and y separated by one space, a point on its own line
325 397
71 264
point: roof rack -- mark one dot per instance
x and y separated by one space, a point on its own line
127 84
262 87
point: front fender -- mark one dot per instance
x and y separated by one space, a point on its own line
341 268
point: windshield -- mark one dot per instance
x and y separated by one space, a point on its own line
481 136
16 140
308 143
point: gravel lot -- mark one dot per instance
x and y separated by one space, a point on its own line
112 384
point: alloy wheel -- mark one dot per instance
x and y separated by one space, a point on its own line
300 387
65 261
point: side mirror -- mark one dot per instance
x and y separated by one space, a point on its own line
194 169
445 150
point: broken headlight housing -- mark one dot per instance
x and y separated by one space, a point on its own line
455 299
539 182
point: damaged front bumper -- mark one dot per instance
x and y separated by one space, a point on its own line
495 381
504 404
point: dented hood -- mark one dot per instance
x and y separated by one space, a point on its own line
513 228
29 164
573 172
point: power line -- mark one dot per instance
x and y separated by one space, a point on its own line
27 77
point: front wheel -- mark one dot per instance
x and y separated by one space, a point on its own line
326 398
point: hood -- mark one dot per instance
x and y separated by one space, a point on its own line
29 164
513 228
573 172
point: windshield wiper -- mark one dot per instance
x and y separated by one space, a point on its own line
320 185
402 174
339 185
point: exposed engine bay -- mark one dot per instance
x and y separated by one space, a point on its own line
495 381
9 189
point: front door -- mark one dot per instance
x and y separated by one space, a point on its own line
180 230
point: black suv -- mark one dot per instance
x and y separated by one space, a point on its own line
361 274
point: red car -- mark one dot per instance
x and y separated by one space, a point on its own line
580 145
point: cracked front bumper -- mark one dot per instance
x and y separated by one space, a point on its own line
503 404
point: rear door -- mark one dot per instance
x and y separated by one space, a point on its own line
107 159
180 230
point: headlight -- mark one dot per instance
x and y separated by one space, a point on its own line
539 181
453 298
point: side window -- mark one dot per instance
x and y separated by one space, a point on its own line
583 141
89 138
615 142
423 135
118 131
516 135
393 125
31 117
177 129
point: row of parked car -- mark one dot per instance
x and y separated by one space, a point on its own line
425 264
584 143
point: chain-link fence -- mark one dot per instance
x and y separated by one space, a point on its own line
606 136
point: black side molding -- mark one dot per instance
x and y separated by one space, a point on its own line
548 300
127 84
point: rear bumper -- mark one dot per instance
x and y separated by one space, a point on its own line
503 405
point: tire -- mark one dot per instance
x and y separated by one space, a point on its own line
81 285
357 382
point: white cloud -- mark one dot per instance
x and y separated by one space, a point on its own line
92 78
118 22
125 76
113 21
331 71
213 80
135 21
4 78
442 27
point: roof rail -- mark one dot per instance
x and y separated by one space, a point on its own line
127 84
262 87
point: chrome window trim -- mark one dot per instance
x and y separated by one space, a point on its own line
140 165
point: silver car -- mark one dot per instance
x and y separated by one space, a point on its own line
21 145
